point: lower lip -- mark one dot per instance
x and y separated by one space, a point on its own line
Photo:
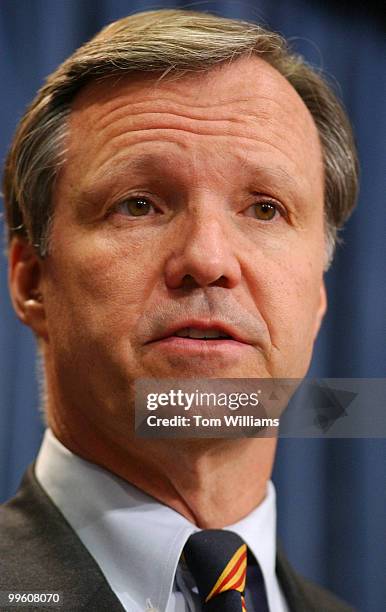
196 346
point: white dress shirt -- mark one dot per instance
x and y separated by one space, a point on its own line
136 540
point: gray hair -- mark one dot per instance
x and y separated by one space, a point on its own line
166 42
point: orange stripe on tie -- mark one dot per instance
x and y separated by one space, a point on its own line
243 606
234 574
238 583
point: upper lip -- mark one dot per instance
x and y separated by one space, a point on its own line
220 326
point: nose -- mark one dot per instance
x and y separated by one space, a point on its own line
202 255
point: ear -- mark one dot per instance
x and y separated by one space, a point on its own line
322 308
25 269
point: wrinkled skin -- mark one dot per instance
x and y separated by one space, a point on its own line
205 152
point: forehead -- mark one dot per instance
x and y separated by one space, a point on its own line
247 104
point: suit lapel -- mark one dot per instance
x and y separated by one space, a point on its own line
43 553
302 595
39 551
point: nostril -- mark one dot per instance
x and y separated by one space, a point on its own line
190 269
189 282
221 282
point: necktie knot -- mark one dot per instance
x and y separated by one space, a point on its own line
217 560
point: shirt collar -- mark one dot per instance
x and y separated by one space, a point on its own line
258 530
135 539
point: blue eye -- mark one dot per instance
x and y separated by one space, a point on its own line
135 207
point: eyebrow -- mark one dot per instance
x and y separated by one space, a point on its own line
99 184
140 164
146 163
278 173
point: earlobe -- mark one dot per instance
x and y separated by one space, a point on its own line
25 284
322 308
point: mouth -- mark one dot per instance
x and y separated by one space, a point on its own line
195 333
201 331
202 339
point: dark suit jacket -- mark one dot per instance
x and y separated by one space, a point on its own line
39 551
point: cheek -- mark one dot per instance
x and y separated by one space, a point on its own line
287 294
99 289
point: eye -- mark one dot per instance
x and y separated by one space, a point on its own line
135 207
265 210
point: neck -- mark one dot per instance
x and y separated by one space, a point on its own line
213 483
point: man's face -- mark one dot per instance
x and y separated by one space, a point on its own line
184 206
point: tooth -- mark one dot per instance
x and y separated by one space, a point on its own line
212 333
191 332
183 333
196 333
207 333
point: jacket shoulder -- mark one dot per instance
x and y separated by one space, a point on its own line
303 595
39 551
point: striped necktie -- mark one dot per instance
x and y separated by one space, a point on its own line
217 560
